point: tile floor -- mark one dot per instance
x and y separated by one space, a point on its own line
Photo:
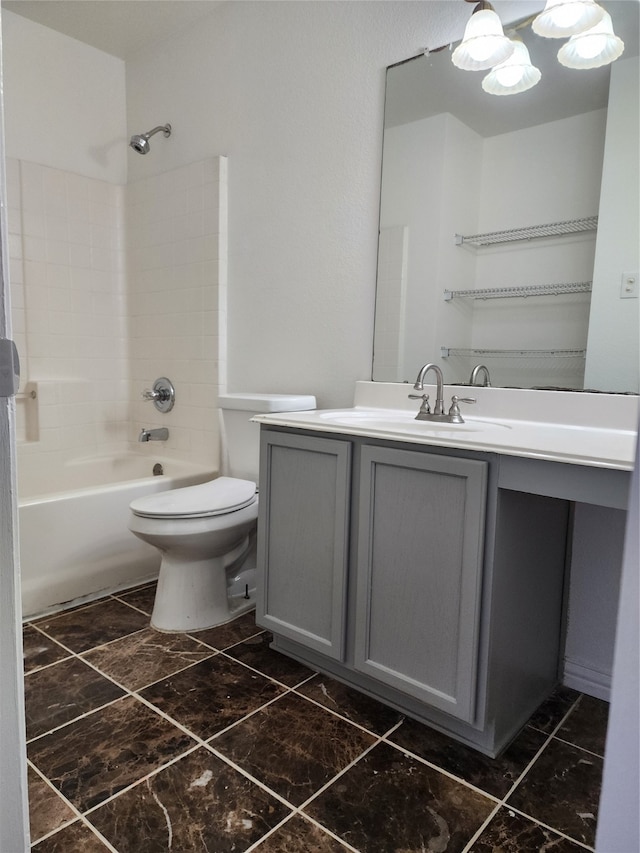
141 742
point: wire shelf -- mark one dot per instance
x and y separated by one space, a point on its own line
532 232
524 291
446 352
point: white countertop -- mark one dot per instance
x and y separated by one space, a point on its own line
581 428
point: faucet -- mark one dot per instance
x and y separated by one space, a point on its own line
160 434
425 414
474 375
419 386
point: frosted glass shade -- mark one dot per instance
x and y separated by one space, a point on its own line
516 74
562 18
484 44
593 48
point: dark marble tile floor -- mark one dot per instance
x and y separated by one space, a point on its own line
140 741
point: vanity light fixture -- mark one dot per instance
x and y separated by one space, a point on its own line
594 47
484 43
516 74
592 43
562 18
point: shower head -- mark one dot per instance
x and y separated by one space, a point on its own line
140 142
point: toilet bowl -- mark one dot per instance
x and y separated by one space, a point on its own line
206 534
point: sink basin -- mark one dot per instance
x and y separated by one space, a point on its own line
390 420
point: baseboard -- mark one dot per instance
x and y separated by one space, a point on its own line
593 682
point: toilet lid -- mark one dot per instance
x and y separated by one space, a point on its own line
216 497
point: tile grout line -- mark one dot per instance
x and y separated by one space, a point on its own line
131 691
549 827
174 760
447 773
210 743
337 714
76 812
199 742
286 820
91 648
581 748
503 801
230 763
79 817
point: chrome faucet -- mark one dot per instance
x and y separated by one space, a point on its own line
160 434
453 416
474 375
419 386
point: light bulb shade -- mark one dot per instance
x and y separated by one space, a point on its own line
593 48
516 74
484 44
562 18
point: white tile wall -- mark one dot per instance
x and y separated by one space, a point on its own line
176 252
112 287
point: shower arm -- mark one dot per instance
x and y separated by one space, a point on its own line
165 128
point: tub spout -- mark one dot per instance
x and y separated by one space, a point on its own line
160 434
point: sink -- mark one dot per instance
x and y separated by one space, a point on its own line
390 420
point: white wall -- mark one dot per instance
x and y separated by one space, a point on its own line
426 165
594 586
613 360
618 825
293 93
76 122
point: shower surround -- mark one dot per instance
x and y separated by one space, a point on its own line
113 286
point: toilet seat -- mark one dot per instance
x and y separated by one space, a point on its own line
217 497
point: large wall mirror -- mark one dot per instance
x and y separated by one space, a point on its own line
552 176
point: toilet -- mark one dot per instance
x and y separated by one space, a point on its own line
206 533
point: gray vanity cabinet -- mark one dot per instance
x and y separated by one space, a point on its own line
419 574
304 522
409 573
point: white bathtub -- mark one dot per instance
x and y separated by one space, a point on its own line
74 540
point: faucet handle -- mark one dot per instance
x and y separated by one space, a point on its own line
425 409
454 411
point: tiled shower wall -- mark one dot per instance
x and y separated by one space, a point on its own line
98 316
69 310
176 273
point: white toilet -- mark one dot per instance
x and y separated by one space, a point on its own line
206 533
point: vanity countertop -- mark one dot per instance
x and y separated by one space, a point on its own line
580 428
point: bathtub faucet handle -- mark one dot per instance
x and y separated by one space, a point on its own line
162 394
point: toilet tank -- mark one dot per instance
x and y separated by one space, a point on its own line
241 438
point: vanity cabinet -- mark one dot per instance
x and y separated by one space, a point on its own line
418 574
304 511
406 572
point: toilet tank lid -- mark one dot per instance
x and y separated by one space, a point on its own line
264 403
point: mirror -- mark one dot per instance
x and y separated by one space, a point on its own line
539 309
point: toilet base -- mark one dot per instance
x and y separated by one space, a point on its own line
196 597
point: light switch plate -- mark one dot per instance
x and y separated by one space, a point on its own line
629 285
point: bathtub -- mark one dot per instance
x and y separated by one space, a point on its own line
74 539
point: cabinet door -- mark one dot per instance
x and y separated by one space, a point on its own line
303 539
419 573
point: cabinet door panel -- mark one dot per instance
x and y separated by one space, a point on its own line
419 573
303 540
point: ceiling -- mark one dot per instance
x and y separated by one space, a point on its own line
118 27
